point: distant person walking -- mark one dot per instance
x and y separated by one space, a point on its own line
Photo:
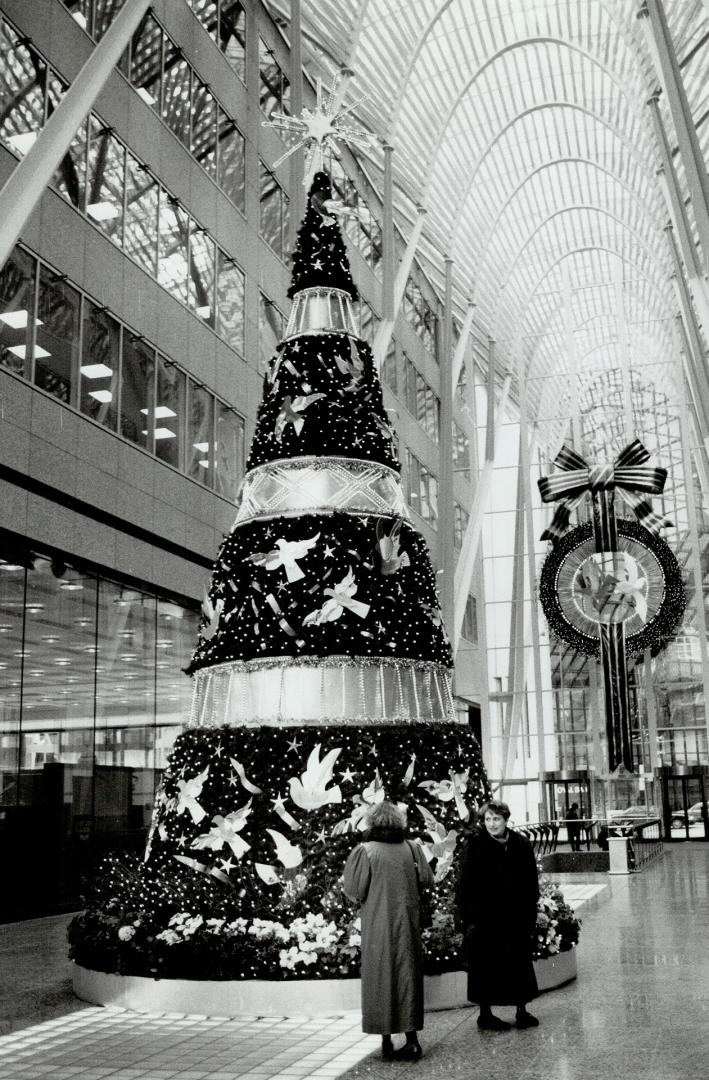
573 827
383 874
497 898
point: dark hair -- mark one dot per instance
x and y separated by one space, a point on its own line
495 806
385 815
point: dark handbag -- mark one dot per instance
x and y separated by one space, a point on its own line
425 904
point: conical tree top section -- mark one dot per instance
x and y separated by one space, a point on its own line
320 259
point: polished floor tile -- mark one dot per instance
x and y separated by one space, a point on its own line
639 1009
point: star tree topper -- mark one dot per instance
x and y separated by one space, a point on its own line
324 125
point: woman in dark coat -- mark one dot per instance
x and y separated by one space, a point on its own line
383 874
497 898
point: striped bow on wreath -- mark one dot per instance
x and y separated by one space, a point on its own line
629 475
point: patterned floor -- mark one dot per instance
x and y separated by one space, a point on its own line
638 1011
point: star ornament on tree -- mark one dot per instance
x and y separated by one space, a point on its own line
321 127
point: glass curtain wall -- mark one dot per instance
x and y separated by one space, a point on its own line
92 697
546 699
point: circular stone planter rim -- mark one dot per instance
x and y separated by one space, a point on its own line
294 997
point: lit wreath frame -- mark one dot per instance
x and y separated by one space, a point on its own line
655 632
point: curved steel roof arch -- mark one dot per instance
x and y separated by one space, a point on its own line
590 163
467 190
529 42
490 262
570 254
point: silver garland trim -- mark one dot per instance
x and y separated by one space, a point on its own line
334 661
324 485
322 690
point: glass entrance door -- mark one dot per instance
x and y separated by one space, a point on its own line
684 802
561 795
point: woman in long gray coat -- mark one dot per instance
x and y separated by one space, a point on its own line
383 874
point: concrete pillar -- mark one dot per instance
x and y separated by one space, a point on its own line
446 506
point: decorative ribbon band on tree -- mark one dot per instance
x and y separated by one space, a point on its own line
629 476
607 580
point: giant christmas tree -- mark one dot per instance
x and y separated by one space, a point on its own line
321 683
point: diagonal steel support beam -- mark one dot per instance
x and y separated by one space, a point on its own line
471 540
33 174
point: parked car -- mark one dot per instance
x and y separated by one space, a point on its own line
680 818
632 814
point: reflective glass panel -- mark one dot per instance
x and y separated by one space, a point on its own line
273 94
204 127
202 256
170 413
229 451
105 12
22 92
12 601
125 716
141 228
70 177
270 331
57 335
230 301
200 434
137 391
56 764
176 636
271 212
98 374
232 35
146 61
17 288
176 92
231 160
107 168
172 247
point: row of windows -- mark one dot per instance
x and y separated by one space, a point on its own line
62 341
120 195
420 399
156 67
422 490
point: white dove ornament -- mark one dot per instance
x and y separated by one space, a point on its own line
341 597
225 830
311 791
288 854
286 554
189 792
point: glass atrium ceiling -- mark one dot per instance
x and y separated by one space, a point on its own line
524 128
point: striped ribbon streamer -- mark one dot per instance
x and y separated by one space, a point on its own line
615 682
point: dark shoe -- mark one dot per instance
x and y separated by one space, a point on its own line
526 1020
388 1051
409 1052
493 1023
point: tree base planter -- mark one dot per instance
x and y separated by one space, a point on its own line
255 997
